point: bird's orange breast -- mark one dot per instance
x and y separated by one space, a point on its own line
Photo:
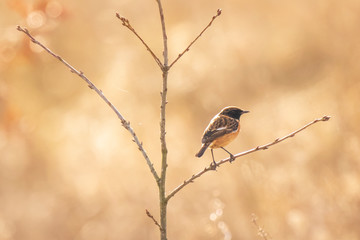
224 140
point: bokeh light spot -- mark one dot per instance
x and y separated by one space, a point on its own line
36 19
54 9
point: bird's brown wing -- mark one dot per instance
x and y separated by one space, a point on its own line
219 126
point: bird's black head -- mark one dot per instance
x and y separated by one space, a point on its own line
233 112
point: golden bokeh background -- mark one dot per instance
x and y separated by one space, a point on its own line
69 170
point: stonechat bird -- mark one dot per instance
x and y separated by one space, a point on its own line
222 130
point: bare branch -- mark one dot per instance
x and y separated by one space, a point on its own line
218 13
263 147
126 23
125 123
164 150
163 29
152 218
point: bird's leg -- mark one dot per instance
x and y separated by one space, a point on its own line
232 158
212 154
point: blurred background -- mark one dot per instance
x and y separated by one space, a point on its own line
69 170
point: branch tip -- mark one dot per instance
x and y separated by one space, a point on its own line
218 13
125 22
325 118
152 217
21 29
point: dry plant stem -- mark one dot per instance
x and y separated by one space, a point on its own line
126 23
164 151
261 232
152 218
263 147
125 123
218 13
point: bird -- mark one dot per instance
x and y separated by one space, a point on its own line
222 129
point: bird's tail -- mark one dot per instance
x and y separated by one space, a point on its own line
202 150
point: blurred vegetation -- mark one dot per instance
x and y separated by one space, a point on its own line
68 170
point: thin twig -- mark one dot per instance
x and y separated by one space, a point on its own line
163 29
164 150
261 232
152 217
126 124
263 147
126 23
218 13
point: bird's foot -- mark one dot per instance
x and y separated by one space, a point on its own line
232 158
213 166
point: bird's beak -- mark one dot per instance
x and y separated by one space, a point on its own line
245 112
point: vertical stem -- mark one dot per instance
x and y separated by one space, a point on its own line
164 151
163 28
